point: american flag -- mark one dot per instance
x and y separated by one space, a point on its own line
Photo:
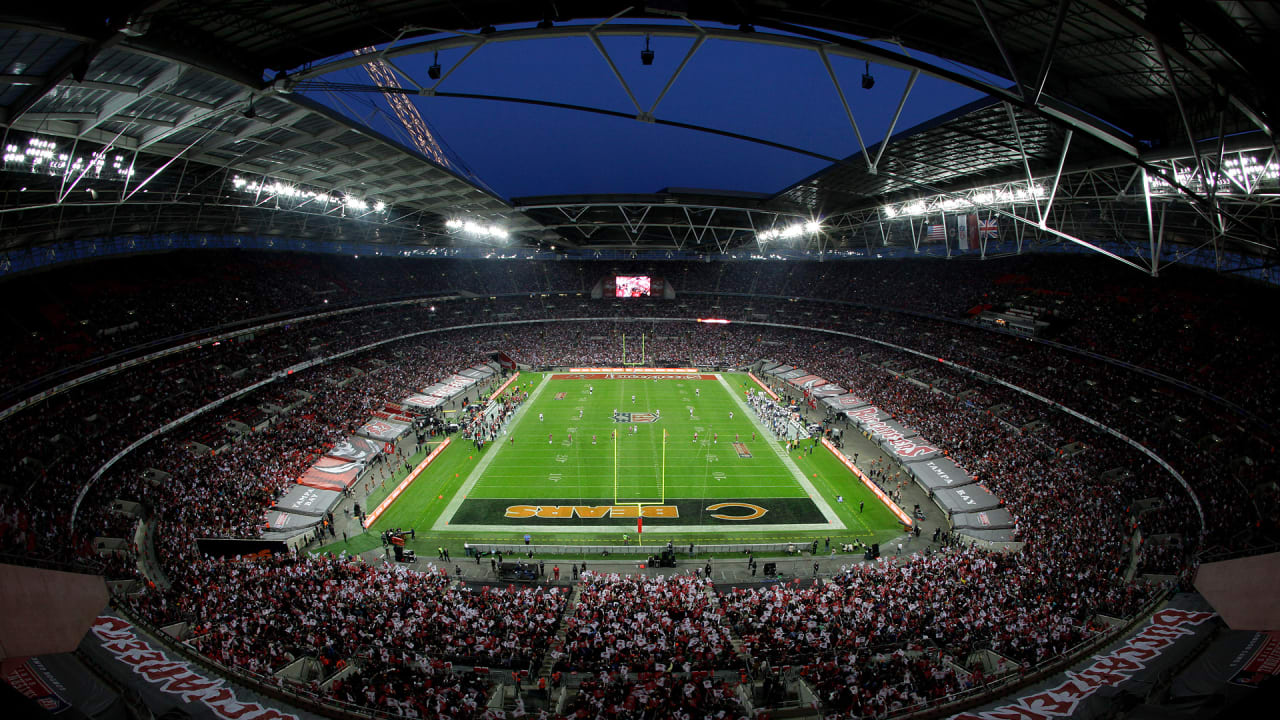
937 233
988 229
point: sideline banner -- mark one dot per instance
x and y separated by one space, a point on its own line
461 382
280 520
356 449
998 519
306 500
422 402
827 390
331 474
992 536
1133 664
889 435
968 498
62 686
807 382
844 403
937 473
1237 662
165 680
384 430
477 372
905 431
441 390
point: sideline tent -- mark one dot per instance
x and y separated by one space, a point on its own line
356 449
938 473
998 519
968 498
306 500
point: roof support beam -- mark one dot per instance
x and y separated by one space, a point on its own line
831 73
123 101
1046 62
797 36
1004 54
192 118
693 49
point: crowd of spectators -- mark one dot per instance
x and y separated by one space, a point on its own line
636 623
877 638
262 615
656 697
425 690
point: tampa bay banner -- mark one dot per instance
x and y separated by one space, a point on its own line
1088 689
166 680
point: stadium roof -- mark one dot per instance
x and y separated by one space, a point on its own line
1109 108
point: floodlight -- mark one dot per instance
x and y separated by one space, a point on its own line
646 55
433 72
868 81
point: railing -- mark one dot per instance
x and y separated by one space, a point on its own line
82 566
1008 683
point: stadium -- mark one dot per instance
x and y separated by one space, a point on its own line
669 360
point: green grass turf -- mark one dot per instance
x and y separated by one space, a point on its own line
525 469
539 459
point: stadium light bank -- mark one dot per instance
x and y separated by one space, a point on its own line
477 230
790 232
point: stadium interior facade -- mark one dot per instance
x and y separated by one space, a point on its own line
982 414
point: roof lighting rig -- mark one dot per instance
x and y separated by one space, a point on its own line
324 200
1011 194
790 232
477 230
45 156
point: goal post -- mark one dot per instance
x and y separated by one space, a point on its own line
624 350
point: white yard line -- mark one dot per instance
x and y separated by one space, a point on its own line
834 522
442 521
649 528
814 495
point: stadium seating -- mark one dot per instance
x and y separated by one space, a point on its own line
878 638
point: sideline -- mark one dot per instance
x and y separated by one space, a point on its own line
405 483
764 387
442 522
893 507
833 519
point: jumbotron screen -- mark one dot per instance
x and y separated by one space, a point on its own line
632 285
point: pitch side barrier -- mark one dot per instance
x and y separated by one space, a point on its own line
1016 388
515 550
502 323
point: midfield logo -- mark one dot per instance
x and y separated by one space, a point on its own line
636 417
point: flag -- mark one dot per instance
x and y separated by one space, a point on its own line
962 232
937 233
988 229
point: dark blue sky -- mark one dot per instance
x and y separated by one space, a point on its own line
775 93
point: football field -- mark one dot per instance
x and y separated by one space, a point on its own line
595 452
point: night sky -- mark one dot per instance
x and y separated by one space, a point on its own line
774 93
